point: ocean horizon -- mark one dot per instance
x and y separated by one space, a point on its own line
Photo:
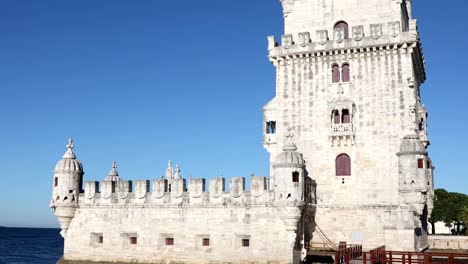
28 245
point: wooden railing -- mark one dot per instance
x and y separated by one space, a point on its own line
398 257
346 252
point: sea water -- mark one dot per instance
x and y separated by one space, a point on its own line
30 246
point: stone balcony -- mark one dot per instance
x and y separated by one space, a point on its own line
342 134
342 129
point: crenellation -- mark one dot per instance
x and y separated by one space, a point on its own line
163 194
379 35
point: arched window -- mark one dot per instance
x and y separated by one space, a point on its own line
346 117
271 127
343 25
345 76
335 73
336 117
343 165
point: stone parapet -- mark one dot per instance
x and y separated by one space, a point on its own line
176 194
378 35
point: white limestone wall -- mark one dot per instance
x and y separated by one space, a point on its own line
379 92
382 95
371 226
312 15
224 226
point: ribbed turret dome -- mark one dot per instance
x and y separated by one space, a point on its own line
69 161
289 156
412 145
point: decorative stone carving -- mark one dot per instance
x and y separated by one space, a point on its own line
322 36
287 7
339 35
395 28
376 31
217 187
108 187
237 187
141 188
304 39
159 188
177 187
257 186
287 41
91 188
124 188
272 42
358 33
196 187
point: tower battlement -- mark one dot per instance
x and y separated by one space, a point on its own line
174 193
356 36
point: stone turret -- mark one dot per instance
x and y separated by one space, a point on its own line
289 170
415 188
67 185
113 173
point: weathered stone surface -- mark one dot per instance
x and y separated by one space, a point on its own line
374 115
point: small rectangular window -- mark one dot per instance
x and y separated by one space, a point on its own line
295 176
101 240
56 182
428 164
246 242
206 242
169 241
420 163
133 240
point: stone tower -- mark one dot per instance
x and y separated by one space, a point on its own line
348 78
67 186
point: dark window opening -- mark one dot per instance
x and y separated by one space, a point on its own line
206 242
335 73
56 182
336 117
343 25
101 239
271 127
295 176
345 74
169 241
404 16
343 165
133 240
428 164
421 125
420 163
346 118
246 242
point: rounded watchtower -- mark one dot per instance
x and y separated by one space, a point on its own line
67 185
289 170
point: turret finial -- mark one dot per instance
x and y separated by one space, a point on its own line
69 153
113 171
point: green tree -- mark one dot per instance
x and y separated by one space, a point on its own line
448 207
464 217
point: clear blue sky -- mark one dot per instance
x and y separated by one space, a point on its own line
142 82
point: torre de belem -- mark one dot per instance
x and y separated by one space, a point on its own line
347 137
